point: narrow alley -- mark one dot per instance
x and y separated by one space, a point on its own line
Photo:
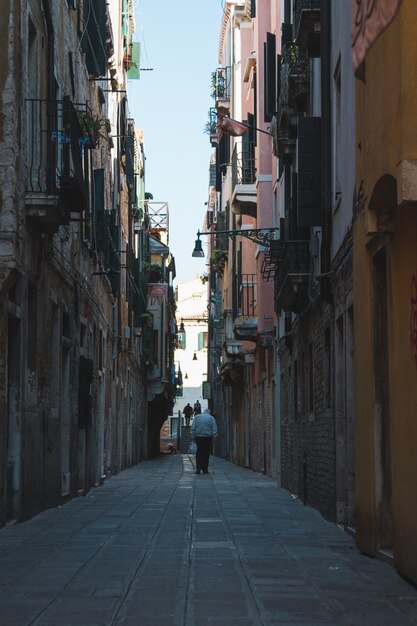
158 545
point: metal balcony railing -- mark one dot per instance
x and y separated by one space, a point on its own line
244 286
243 167
222 83
55 145
292 259
295 84
212 123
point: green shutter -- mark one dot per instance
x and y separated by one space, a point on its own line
112 263
270 77
134 71
200 341
93 38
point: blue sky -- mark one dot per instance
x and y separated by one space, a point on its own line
179 40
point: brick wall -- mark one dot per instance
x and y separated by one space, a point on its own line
311 452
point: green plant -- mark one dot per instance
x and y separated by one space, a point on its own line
91 125
213 84
204 278
156 272
218 259
210 127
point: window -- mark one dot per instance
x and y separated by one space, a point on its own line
93 36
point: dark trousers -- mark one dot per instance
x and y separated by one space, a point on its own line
203 452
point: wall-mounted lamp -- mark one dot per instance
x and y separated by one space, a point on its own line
198 248
182 327
195 356
186 376
261 236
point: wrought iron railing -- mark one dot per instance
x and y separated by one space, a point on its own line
244 295
295 76
221 83
290 257
243 168
55 144
212 123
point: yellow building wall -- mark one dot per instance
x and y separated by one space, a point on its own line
386 133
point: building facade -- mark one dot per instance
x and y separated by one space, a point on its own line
384 261
289 72
312 262
242 324
74 241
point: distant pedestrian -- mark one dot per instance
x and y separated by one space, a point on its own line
203 431
197 408
188 411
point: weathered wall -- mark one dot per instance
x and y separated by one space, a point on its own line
386 225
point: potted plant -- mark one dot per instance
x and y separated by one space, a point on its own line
91 126
218 259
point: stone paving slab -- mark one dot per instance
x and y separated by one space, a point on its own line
157 545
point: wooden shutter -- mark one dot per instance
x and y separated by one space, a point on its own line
98 209
309 171
270 73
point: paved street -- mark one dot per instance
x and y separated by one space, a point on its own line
159 545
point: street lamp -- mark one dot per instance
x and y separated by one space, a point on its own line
198 248
261 236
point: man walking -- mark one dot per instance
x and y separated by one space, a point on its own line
188 411
203 431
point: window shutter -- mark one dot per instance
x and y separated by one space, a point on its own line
309 171
98 208
286 34
202 340
112 264
279 60
94 36
270 72
130 160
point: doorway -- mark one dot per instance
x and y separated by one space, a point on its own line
13 468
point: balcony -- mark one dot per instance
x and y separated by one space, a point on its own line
244 182
233 347
292 274
307 25
295 85
245 323
211 128
221 89
55 182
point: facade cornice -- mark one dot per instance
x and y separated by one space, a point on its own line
238 4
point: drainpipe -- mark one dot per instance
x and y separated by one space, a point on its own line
326 178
